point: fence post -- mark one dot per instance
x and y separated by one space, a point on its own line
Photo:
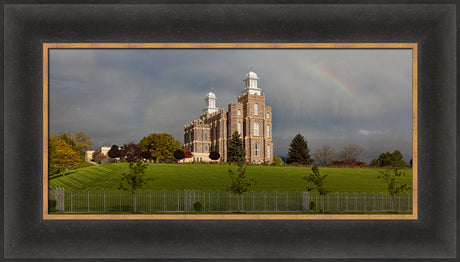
104 200
399 201
164 201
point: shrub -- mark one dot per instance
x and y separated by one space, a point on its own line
197 206
214 155
179 154
277 161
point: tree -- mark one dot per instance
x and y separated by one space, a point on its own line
179 154
316 182
188 154
236 151
240 182
161 146
298 151
65 157
82 141
350 153
388 159
114 152
135 179
324 155
130 152
57 159
390 175
277 161
214 155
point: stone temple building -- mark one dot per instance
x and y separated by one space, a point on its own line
249 116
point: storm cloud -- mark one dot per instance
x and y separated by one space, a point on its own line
331 96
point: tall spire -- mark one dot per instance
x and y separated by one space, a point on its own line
210 102
250 83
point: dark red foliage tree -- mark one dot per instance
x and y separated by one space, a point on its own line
146 155
179 154
130 152
214 155
114 152
188 154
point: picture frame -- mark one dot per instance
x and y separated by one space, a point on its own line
48 47
27 235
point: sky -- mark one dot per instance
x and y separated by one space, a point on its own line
332 97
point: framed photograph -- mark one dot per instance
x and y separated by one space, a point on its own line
182 189
52 52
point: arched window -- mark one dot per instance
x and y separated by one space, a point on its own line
239 112
214 130
205 148
239 128
256 129
268 115
256 109
268 151
268 131
205 136
256 149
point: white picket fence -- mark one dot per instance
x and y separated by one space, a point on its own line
112 201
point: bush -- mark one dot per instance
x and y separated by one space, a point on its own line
179 154
277 161
312 205
214 155
197 206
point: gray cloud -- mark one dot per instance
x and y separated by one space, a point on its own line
332 97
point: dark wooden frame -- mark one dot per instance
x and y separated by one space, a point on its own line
27 235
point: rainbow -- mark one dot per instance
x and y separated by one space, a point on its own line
330 76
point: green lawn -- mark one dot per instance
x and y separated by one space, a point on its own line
216 177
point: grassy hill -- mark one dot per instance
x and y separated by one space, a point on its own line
216 177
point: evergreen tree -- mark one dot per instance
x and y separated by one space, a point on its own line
299 151
236 151
316 181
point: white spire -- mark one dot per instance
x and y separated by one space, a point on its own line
250 83
210 103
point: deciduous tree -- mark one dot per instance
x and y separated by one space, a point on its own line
114 152
324 155
299 152
161 146
82 140
179 154
135 179
388 159
390 176
130 152
350 153
67 158
240 183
